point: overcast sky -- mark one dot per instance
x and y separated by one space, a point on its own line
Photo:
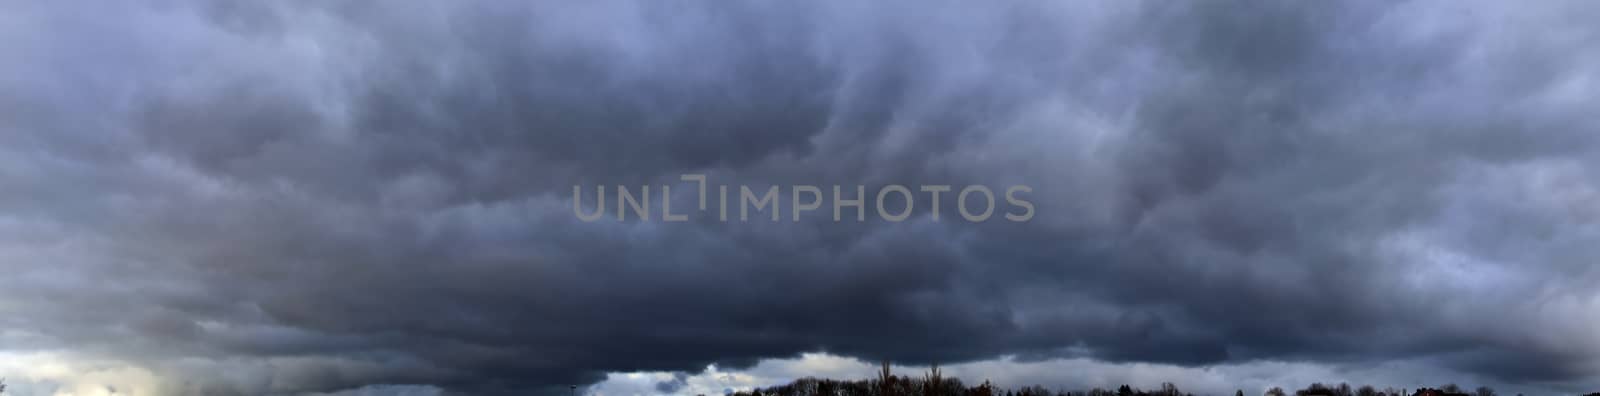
376 198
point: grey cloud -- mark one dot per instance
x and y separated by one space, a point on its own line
378 195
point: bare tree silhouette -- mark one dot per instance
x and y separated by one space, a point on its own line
885 380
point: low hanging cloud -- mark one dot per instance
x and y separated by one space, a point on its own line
294 197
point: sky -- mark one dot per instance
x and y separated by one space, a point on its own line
378 198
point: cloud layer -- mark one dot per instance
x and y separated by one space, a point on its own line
319 197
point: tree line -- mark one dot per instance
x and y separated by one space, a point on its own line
934 383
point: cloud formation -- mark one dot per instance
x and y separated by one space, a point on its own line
309 197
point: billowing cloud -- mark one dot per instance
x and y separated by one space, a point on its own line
307 197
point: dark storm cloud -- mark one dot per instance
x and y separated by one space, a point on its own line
380 195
